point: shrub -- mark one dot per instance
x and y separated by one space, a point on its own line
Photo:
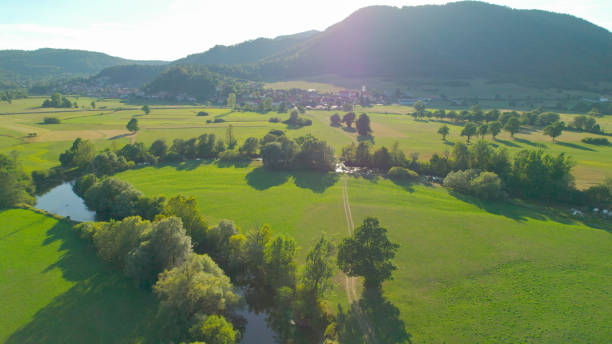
202 113
485 185
460 180
83 184
600 141
274 120
51 120
218 120
46 179
230 155
401 173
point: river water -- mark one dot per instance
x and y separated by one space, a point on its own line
63 201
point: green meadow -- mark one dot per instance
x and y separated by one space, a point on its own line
106 127
54 289
467 271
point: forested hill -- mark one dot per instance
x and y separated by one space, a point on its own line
247 52
48 63
462 39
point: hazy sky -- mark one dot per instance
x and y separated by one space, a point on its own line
170 29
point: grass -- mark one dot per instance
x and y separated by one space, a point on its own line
467 271
106 127
53 288
304 85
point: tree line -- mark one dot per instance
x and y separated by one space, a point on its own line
194 269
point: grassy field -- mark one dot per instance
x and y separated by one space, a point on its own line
467 272
106 127
53 288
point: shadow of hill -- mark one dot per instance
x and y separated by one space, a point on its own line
262 179
382 315
101 307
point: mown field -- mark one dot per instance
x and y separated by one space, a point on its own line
53 288
467 271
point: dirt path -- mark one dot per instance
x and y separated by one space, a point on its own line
351 282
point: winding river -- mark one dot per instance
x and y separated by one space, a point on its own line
63 201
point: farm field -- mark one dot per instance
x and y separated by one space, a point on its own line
467 271
106 128
53 288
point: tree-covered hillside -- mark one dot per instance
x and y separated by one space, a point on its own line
48 63
463 39
247 52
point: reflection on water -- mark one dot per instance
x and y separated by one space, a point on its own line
61 200
257 330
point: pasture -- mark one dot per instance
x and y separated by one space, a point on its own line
53 288
467 271
105 126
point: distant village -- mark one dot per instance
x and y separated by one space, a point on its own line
253 94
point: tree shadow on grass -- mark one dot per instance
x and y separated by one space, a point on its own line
349 129
369 138
240 163
101 307
531 143
573 145
120 136
519 211
263 179
382 316
405 184
508 143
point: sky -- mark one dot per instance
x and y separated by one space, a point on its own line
171 29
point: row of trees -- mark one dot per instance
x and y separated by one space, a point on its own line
382 159
362 124
59 101
307 152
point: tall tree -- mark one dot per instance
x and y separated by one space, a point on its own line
443 131
349 118
146 109
494 129
231 100
368 253
553 130
363 125
335 120
483 129
132 125
15 186
319 268
469 130
230 138
512 126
